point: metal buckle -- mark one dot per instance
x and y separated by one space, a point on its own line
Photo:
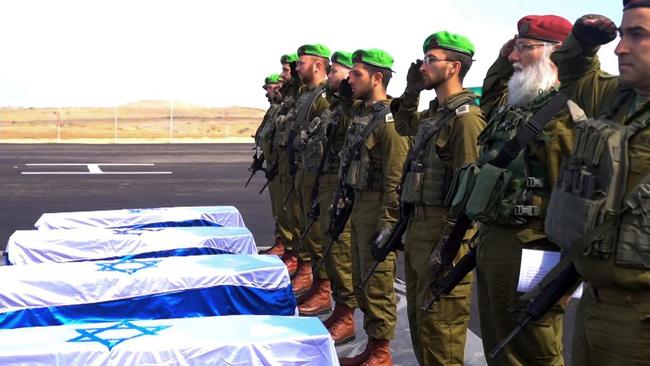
527 210
532 182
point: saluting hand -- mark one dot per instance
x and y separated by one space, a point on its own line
594 29
507 48
414 81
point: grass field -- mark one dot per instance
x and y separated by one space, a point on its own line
149 120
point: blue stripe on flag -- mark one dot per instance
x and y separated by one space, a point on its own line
185 223
218 300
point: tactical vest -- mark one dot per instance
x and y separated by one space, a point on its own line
591 190
424 180
283 120
507 196
363 173
268 129
299 137
316 133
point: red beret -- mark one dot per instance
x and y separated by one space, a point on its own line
548 28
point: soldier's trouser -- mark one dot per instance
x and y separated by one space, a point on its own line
281 223
377 300
609 333
305 180
291 209
338 264
497 273
438 334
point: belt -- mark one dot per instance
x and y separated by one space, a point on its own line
620 297
368 195
329 178
423 210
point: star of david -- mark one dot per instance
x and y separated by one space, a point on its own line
132 231
128 266
93 334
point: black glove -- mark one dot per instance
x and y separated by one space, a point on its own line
345 90
594 29
414 80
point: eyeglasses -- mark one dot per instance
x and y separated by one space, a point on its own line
428 59
521 47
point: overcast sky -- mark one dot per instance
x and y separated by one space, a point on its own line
217 53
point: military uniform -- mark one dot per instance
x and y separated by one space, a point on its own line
510 205
437 334
612 323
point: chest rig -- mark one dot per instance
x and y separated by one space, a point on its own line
590 193
508 195
298 135
282 122
268 129
426 178
357 169
317 134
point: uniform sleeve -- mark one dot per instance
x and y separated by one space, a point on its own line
464 137
393 150
258 139
405 112
320 104
581 77
495 85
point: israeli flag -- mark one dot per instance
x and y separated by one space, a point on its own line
161 288
143 218
42 246
225 340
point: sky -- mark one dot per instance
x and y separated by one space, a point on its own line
69 53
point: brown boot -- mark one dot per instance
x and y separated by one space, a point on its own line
379 354
319 302
358 359
302 282
290 260
342 330
278 248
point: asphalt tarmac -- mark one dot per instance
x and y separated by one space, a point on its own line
38 178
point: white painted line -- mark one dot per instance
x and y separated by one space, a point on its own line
86 173
85 164
94 168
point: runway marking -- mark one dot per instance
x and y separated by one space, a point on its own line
93 168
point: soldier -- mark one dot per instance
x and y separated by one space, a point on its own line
438 333
374 173
601 205
289 219
510 202
313 66
264 139
326 136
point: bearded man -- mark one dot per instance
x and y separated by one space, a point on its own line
521 82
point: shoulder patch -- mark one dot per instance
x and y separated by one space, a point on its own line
463 109
389 118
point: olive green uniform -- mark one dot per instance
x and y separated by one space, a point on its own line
264 139
437 334
613 319
305 177
338 264
515 221
283 124
374 175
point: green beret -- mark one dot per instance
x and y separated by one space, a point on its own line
449 41
288 58
315 49
342 58
374 57
273 79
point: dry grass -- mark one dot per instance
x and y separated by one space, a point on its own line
142 120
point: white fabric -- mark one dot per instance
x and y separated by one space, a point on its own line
41 246
222 215
225 340
52 284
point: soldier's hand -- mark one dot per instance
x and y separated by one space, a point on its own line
594 29
414 80
507 48
375 250
345 90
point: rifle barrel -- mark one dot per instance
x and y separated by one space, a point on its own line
264 187
363 284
